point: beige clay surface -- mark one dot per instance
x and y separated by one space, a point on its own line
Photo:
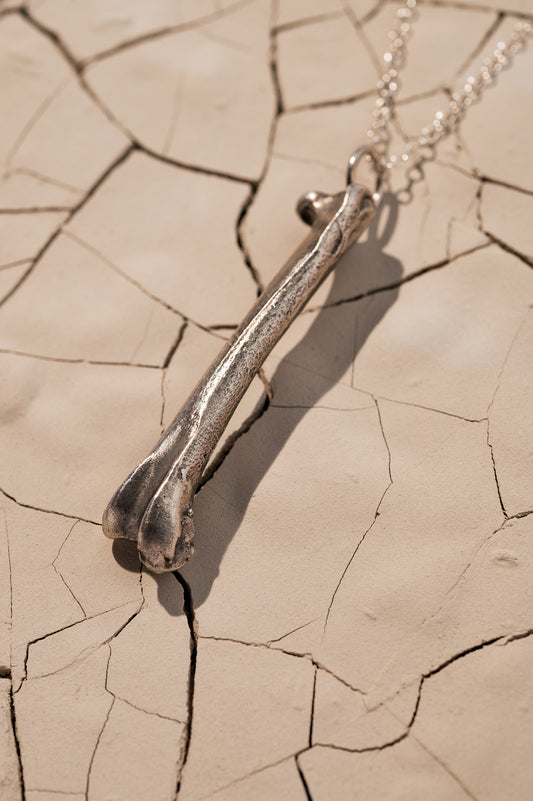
356 621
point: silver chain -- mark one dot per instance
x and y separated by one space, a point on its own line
444 122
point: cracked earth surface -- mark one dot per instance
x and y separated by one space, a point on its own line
356 621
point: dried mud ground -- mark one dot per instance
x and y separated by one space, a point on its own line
356 621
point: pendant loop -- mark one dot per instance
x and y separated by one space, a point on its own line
370 153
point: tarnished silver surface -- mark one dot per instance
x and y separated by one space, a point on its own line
154 505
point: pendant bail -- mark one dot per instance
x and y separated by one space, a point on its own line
371 154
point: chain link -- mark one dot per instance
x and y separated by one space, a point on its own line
445 121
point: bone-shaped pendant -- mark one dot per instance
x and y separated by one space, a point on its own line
154 505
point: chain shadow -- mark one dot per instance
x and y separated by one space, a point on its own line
221 504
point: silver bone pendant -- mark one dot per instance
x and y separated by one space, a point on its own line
154 504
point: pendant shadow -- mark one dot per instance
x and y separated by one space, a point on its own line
221 504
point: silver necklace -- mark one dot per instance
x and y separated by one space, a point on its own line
154 505
445 121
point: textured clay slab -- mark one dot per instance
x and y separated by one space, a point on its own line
355 623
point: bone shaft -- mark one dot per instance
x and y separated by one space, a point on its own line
212 403
210 406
